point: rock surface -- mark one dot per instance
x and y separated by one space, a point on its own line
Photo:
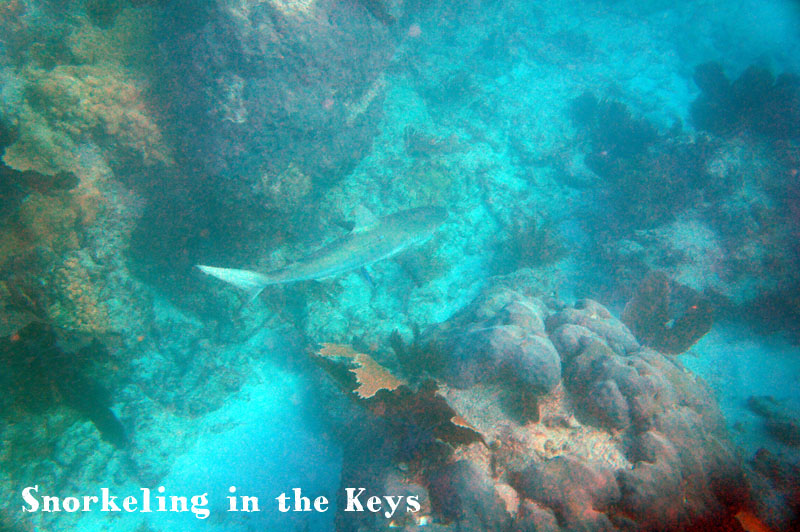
281 81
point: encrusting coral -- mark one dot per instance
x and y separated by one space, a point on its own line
71 104
76 303
48 276
80 84
48 221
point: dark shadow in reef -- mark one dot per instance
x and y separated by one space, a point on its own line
187 221
39 374
779 421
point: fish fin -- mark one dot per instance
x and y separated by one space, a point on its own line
364 219
251 282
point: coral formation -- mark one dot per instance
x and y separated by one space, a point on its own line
666 315
611 127
76 303
649 178
780 423
77 84
74 103
58 290
294 97
429 182
419 144
287 190
518 413
48 221
14 185
529 243
420 415
626 439
103 13
741 226
507 346
370 376
756 102
776 488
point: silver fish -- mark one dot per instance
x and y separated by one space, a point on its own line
366 244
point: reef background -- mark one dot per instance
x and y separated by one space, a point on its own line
579 147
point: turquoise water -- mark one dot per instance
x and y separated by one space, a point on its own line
357 174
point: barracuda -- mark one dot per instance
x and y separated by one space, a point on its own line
365 245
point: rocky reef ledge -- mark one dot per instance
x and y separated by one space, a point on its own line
575 426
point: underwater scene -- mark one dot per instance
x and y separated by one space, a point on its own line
424 265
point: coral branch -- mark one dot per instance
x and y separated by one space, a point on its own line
371 377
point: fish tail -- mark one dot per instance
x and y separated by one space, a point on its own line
251 282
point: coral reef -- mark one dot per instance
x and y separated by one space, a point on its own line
58 290
408 408
48 221
508 346
75 301
103 13
14 185
776 310
741 226
429 182
77 84
264 114
287 190
419 144
520 412
611 127
625 439
280 72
